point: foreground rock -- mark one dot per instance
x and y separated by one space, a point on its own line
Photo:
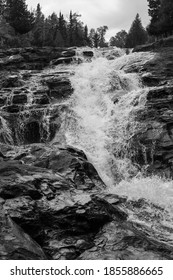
57 198
15 244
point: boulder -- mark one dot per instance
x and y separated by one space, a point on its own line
68 53
12 81
88 53
19 99
62 60
15 244
60 87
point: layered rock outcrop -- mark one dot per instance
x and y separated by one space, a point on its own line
30 103
32 58
153 143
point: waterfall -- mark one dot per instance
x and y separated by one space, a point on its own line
5 132
101 121
99 118
103 116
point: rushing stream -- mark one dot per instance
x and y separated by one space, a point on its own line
100 119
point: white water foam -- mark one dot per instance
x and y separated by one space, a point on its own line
102 122
101 111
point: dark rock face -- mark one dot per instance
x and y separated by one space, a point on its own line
59 87
15 244
30 101
88 53
164 43
155 135
62 60
57 198
33 58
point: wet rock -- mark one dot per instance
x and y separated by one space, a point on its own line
3 100
12 81
31 57
68 53
155 135
63 205
73 164
115 243
150 80
54 81
13 108
163 43
88 53
8 189
60 87
16 58
62 60
41 99
15 244
19 99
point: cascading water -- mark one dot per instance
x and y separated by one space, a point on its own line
102 116
101 121
5 132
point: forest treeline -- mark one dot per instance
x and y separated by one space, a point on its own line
20 27
161 25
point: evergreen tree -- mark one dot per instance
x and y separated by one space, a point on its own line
39 28
137 34
166 17
76 30
161 13
154 28
18 16
62 30
70 30
86 38
153 9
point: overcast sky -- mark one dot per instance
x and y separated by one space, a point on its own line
116 14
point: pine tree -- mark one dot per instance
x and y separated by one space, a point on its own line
161 13
154 8
166 17
70 30
18 16
62 30
39 28
86 36
154 28
137 34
